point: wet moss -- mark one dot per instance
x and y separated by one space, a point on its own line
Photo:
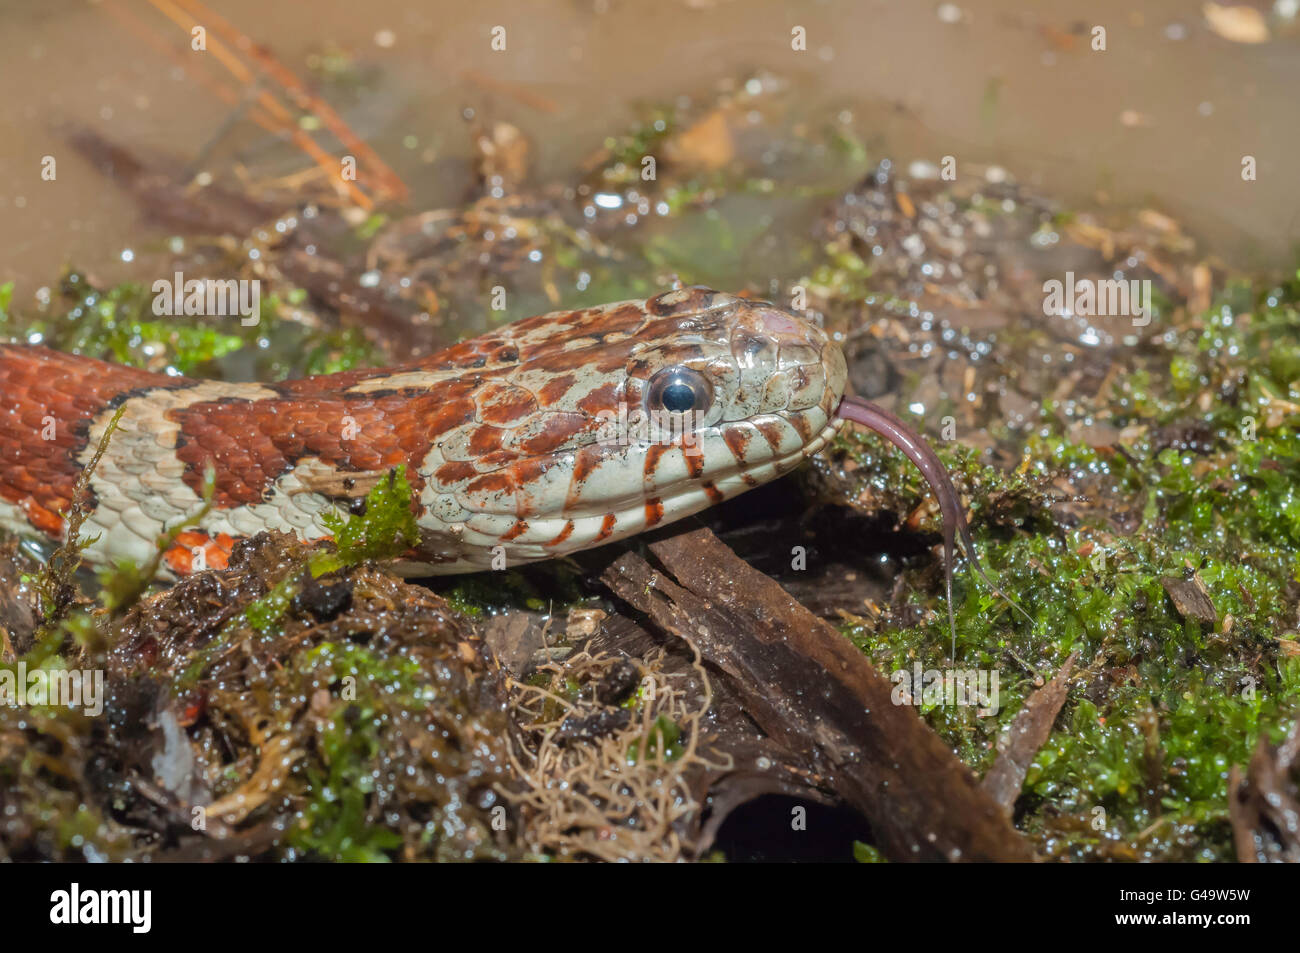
662 742
333 823
552 587
384 529
118 324
1163 706
369 732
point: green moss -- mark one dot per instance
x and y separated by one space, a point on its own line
334 824
342 350
385 530
662 742
554 586
623 167
118 324
844 275
371 226
866 854
1170 704
265 613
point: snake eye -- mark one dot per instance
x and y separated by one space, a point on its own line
679 390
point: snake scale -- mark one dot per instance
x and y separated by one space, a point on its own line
554 434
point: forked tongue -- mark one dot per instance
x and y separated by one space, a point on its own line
936 474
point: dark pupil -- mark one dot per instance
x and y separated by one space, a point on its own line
678 398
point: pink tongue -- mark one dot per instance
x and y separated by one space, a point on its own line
954 519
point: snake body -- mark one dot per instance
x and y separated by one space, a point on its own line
550 435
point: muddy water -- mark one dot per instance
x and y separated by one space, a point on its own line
1163 116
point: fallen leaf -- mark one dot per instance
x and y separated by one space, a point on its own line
707 144
1191 599
1236 24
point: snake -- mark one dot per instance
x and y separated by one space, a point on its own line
554 434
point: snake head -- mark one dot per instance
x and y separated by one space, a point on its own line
636 414
749 388
719 394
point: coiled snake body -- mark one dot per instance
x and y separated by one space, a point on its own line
554 434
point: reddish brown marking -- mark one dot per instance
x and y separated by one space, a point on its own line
501 403
624 319
495 461
515 531
530 470
251 443
455 471
654 512
585 461
737 440
564 534
694 459
556 431
48 522
40 475
679 352
561 319
329 384
442 410
492 483
601 358
771 431
606 527
555 389
486 440
492 348
715 495
603 398
573 338
652 456
800 423
480 352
